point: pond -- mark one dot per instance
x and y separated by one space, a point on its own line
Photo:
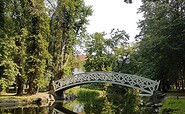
88 103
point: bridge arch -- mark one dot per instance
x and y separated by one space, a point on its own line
128 80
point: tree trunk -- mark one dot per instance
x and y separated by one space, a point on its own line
50 86
182 86
20 85
183 69
32 88
2 14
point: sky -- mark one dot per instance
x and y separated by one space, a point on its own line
109 14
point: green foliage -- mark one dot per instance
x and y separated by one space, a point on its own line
107 108
67 22
162 39
109 54
37 44
8 68
67 71
96 52
108 103
128 102
94 86
87 95
26 40
82 92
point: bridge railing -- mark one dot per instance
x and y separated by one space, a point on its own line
133 81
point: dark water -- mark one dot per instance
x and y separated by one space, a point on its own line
88 104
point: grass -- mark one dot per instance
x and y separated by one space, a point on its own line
175 93
173 106
25 98
77 90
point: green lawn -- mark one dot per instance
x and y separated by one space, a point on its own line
173 106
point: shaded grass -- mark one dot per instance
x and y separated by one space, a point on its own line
173 106
175 93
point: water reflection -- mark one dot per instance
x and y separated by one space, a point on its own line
59 109
127 103
110 104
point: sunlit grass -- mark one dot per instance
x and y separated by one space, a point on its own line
77 90
27 98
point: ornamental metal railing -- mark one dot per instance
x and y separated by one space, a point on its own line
133 81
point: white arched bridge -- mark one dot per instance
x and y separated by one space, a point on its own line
133 81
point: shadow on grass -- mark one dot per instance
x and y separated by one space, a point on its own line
168 110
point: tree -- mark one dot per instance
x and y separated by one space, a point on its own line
37 53
20 19
8 68
162 40
25 36
118 49
2 6
107 54
20 59
67 22
96 53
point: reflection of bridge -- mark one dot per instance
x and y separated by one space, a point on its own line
59 109
55 111
64 111
133 81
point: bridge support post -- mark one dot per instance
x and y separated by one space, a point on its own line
59 95
157 97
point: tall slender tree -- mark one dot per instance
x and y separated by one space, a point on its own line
66 23
36 45
20 33
8 68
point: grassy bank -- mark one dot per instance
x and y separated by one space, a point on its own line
173 106
12 100
83 91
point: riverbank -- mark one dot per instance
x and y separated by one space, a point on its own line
39 99
173 103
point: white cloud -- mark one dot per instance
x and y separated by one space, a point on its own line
109 14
